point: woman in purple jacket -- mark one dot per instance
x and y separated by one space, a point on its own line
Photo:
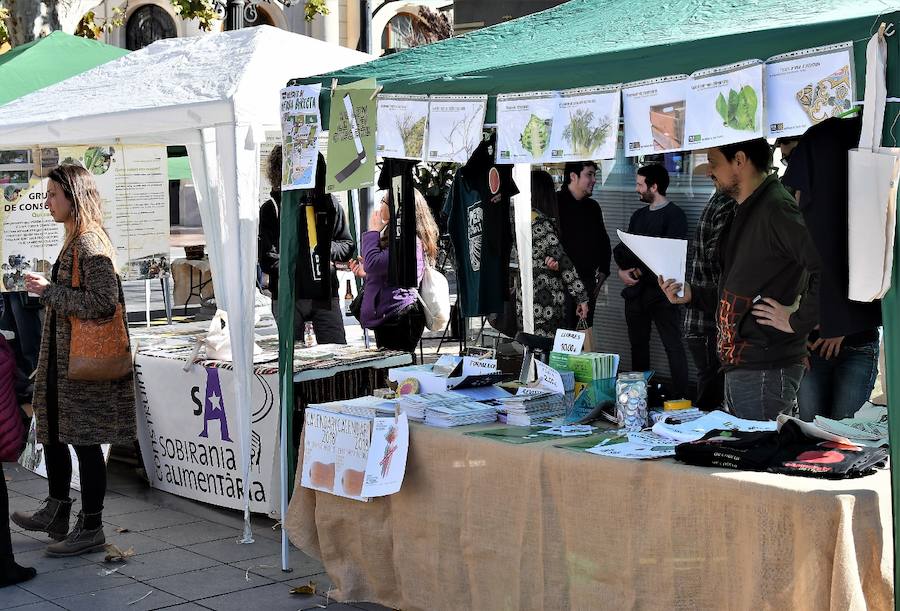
393 313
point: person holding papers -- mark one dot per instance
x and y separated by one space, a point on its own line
766 303
553 273
644 301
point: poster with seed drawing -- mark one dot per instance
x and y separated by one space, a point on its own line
524 124
301 124
806 87
586 124
402 126
724 105
454 126
654 115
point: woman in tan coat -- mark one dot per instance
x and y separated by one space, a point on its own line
75 412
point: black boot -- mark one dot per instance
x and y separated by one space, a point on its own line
11 573
81 540
52 518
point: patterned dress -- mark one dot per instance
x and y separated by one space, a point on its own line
549 286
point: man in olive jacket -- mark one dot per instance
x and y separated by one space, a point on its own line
767 299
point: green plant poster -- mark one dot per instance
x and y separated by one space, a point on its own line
402 126
351 137
724 105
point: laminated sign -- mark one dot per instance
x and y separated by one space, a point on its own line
351 137
402 126
724 105
454 126
806 87
300 127
654 112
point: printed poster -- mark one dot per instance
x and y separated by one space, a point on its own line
32 457
724 105
335 453
351 137
189 431
654 112
806 87
587 124
525 122
386 464
273 139
455 123
402 126
301 125
133 182
31 238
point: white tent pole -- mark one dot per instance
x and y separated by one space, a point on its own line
522 211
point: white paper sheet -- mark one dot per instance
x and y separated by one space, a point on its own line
386 464
664 256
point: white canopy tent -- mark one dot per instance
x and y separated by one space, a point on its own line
217 94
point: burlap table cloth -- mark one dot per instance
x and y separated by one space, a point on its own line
486 525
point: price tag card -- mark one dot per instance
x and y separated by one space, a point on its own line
549 378
568 342
525 390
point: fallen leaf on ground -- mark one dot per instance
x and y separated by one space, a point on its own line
122 530
309 588
115 554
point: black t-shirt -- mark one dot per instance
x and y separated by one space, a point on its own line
818 169
396 178
478 220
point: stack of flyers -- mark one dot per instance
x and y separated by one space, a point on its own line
459 414
525 410
695 429
365 407
676 416
414 406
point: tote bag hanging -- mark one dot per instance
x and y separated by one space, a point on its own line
434 295
99 349
872 199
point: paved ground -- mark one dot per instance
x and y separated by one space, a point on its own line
186 557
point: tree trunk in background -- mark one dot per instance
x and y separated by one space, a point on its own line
31 19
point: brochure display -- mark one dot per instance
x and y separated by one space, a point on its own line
301 124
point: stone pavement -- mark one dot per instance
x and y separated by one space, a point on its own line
186 557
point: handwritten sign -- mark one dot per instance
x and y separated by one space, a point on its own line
473 366
335 453
549 378
568 342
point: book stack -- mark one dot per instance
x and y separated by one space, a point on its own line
449 414
587 366
527 410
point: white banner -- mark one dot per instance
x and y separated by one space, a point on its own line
724 105
335 453
455 123
586 124
654 112
806 87
402 126
525 122
300 127
189 432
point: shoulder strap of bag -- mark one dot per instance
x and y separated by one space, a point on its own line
876 92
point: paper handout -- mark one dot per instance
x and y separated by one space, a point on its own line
386 464
664 256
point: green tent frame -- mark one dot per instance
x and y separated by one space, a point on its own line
598 42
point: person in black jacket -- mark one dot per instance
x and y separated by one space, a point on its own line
583 234
645 303
767 301
325 315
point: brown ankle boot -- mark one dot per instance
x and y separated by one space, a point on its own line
80 540
52 518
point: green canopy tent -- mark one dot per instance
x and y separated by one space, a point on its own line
598 42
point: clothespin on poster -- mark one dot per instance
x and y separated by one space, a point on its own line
885 30
333 86
376 92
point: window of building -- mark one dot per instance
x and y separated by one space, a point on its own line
146 25
403 31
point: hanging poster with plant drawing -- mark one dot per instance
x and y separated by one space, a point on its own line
301 124
724 105
402 122
654 115
454 126
524 124
586 124
806 87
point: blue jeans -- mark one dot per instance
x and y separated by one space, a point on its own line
838 387
763 394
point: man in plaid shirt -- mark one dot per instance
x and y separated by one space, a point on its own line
699 326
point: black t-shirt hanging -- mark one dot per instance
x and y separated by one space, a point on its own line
396 177
478 220
315 227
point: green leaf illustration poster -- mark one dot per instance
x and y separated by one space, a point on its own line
724 105
351 137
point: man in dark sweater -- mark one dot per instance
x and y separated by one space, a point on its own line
644 301
583 234
767 299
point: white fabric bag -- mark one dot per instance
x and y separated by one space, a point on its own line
434 295
873 174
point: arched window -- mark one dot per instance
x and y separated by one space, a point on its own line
262 18
402 32
147 25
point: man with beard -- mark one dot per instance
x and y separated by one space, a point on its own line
767 299
644 301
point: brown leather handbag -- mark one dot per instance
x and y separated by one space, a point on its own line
99 350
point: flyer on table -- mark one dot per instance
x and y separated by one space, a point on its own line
335 453
402 126
454 126
301 124
724 105
524 124
351 137
654 112
386 464
806 87
586 124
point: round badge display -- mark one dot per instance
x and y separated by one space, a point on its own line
494 181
